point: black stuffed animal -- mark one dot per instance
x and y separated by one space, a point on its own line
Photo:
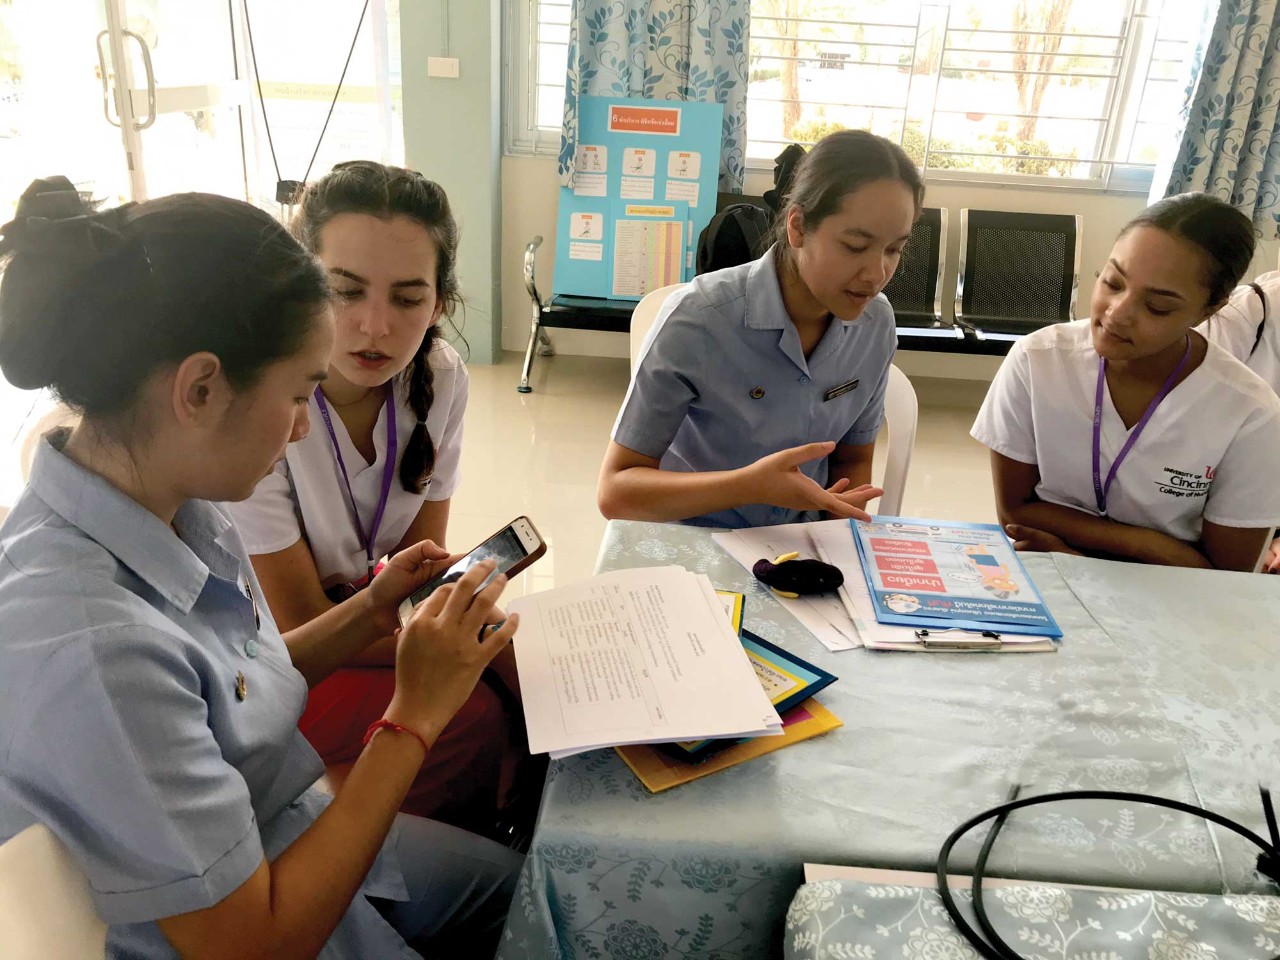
791 577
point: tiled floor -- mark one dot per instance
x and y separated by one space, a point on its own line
539 454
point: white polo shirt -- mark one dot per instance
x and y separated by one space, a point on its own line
1235 328
1210 452
305 496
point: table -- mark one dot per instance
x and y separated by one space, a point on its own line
1167 683
849 918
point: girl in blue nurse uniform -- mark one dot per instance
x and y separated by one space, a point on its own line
760 389
148 705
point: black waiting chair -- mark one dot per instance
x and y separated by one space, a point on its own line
1018 272
915 290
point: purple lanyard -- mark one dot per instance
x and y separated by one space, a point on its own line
1099 490
388 471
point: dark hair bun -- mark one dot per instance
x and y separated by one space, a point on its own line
93 304
55 240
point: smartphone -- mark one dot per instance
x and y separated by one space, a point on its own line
513 548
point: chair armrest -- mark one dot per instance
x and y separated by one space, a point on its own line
530 262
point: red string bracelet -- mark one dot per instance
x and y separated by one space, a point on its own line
385 724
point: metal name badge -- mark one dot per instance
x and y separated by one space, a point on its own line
840 391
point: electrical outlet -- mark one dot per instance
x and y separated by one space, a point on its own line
442 67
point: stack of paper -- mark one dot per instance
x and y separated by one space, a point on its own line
847 619
635 656
660 771
824 616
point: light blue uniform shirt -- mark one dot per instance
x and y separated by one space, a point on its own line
120 728
715 346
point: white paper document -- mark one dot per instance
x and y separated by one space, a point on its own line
683 190
824 615
590 185
585 251
634 656
637 188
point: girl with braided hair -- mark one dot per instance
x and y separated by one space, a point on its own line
378 471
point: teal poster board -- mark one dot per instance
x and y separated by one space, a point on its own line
645 188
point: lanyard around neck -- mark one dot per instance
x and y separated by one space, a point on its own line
1100 490
388 470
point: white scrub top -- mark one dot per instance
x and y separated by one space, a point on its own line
120 725
1210 452
305 495
1235 328
722 381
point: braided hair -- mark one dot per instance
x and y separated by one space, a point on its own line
364 186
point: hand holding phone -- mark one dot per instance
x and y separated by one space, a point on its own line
513 548
438 660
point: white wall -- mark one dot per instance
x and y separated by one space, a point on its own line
530 195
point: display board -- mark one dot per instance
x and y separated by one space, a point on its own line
645 188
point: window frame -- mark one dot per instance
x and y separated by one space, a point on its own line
522 137
1139 28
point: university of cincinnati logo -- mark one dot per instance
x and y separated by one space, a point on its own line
1182 483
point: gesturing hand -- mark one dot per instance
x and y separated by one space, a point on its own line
777 480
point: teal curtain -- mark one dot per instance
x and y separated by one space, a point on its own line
1228 145
660 50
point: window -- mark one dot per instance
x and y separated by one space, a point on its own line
203 125
538 41
1054 91
1063 92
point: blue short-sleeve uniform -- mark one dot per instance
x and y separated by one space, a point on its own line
121 727
722 381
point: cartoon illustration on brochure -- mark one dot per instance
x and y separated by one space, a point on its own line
994 575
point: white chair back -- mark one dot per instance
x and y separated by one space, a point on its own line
1261 562
645 314
46 912
901 413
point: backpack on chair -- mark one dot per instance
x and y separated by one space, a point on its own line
736 235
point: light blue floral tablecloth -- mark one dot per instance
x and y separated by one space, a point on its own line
852 920
1168 683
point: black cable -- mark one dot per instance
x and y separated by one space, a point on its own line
1270 813
997 948
257 76
364 10
262 102
979 874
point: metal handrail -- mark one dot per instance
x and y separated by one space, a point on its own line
828 40
1041 33
855 63
1019 116
837 23
960 68
1090 56
1060 159
831 103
